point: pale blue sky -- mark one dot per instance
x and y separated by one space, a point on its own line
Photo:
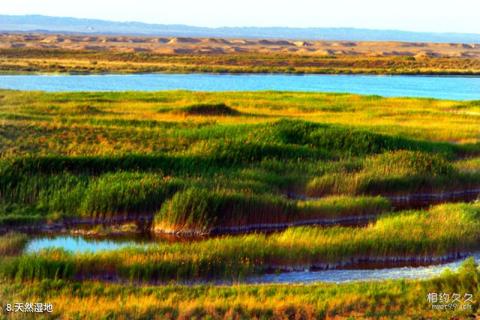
416 15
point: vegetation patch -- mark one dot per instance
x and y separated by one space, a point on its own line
199 211
349 140
28 198
59 164
127 194
87 110
411 235
12 244
197 166
396 172
376 299
104 60
219 109
343 206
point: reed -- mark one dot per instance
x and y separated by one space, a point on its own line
201 211
377 299
395 172
349 141
12 244
343 206
127 193
100 155
412 234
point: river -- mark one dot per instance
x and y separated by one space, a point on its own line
441 87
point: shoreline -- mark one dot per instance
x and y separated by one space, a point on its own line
145 222
355 264
468 74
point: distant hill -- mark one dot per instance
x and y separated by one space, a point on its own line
40 23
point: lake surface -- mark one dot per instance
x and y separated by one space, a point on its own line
441 87
81 244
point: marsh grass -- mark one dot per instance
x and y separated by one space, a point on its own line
349 141
127 193
378 299
343 206
395 172
199 160
202 211
12 244
107 186
220 109
106 154
66 195
405 234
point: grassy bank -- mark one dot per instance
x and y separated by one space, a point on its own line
141 115
386 299
104 61
199 211
408 235
396 172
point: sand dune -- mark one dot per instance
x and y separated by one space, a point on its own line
189 45
184 40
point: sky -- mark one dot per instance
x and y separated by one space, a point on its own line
411 15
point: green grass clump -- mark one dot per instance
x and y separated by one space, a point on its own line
404 163
11 169
127 193
343 206
42 266
66 195
32 199
201 210
12 243
238 152
219 109
343 140
29 189
394 172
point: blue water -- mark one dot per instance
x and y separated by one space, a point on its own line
352 275
442 87
78 244
81 244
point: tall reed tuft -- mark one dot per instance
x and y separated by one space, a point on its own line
12 244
